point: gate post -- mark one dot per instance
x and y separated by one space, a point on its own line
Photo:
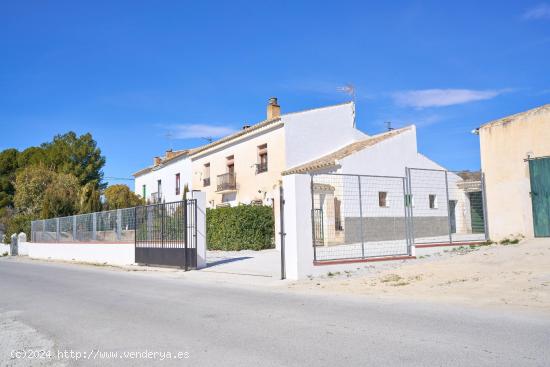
200 227
185 238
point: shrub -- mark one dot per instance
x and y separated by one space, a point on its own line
244 227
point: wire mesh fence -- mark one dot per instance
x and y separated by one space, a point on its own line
108 226
357 217
447 207
361 216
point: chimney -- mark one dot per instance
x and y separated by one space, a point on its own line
156 161
169 154
273 109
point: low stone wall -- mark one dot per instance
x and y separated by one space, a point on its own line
110 253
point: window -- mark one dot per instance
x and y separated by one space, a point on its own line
144 191
383 199
338 214
177 183
230 164
159 189
206 175
261 166
409 201
432 201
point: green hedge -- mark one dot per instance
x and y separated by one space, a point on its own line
243 227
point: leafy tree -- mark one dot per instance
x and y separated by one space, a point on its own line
90 198
120 196
77 155
8 166
31 156
61 197
30 185
18 223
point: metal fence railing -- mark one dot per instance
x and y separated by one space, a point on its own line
361 216
108 226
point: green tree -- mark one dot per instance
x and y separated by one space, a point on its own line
90 198
30 185
76 155
61 197
17 224
8 167
31 156
120 196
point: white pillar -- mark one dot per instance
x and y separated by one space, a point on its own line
201 227
299 238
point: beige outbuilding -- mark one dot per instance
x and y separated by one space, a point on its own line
515 160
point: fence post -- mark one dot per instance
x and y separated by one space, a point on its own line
56 229
411 209
313 219
94 226
118 224
406 199
74 229
185 223
361 218
448 208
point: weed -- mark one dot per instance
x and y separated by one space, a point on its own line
5 254
400 284
391 278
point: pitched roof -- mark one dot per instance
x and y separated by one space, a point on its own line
532 112
332 159
235 135
255 127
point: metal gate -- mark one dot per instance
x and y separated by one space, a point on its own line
539 172
166 234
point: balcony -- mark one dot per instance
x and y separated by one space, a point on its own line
226 183
261 167
206 182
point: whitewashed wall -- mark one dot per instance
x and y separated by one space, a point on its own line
110 253
167 174
314 133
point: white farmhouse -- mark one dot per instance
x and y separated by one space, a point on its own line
165 180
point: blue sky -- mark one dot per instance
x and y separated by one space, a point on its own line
134 72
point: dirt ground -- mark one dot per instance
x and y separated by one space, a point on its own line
510 276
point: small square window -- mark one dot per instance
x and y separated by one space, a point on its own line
383 199
432 201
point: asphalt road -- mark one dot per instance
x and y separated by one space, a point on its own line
85 309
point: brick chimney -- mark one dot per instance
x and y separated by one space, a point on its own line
273 109
169 154
156 161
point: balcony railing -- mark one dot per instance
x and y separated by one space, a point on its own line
261 167
226 182
206 181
